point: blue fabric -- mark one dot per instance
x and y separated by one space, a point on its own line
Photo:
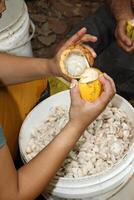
2 138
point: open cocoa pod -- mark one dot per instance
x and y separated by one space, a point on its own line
77 62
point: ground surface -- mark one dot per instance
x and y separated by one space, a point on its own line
54 19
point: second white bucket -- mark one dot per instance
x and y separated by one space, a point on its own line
15 39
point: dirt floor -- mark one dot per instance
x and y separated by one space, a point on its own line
54 19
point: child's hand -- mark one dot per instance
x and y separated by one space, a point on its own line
78 37
82 112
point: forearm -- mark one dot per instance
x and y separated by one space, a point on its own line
14 69
121 9
35 176
45 166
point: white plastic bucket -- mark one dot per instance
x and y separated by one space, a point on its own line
98 187
15 39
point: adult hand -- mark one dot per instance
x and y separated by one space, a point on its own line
82 112
78 37
122 39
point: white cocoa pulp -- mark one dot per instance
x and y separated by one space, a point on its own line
75 64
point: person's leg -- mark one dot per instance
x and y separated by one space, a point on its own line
120 66
100 24
111 59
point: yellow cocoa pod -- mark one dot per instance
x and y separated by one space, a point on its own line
132 37
90 91
75 59
130 29
76 62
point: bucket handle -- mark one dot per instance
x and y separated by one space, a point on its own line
29 39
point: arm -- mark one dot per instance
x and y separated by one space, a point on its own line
122 11
22 184
15 69
31 179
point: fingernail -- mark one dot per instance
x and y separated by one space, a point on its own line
84 29
73 83
95 37
94 55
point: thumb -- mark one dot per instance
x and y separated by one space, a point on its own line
74 92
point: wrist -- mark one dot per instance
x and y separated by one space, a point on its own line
77 125
74 130
52 63
125 17
44 66
50 66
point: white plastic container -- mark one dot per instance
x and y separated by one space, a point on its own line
97 187
14 34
